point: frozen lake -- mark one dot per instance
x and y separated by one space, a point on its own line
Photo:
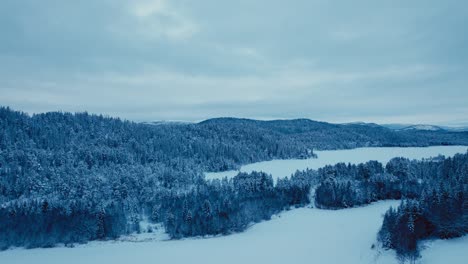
282 168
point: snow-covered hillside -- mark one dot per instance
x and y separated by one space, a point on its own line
423 127
298 236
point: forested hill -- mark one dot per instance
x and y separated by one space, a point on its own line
212 145
322 135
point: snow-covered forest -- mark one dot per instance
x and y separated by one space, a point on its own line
72 178
247 131
433 192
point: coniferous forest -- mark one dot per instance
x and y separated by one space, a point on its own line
71 178
251 131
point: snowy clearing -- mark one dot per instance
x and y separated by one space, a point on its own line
282 168
298 236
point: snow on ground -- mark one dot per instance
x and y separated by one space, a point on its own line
282 168
298 236
446 251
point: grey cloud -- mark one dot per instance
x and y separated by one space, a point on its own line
189 60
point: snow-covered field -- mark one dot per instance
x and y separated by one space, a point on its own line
302 235
282 168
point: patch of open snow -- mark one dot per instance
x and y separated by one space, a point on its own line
446 251
283 168
149 232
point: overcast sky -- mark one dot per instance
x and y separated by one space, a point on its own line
393 61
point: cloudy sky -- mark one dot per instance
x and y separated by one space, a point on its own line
384 61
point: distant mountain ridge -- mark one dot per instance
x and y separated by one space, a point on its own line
323 135
308 122
425 127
